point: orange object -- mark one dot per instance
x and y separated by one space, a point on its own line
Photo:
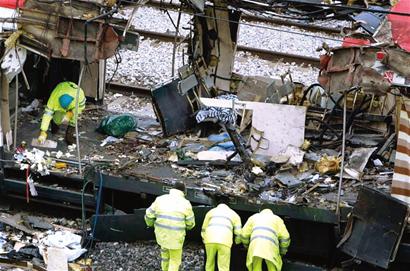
349 42
60 165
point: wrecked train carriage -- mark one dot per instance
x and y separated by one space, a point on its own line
129 173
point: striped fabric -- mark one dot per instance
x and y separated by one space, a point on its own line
224 115
401 178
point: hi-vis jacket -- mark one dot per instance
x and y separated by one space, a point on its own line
268 238
53 103
219 224
170 214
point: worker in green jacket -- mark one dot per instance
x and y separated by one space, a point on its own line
268 240
61 109
171 215
218 228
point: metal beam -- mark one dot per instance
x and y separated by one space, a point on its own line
201 196
49 193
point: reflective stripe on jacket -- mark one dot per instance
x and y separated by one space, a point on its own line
53 103
170 214
267 237
219 224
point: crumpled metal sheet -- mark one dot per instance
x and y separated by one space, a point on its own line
375 228
353 66
60 35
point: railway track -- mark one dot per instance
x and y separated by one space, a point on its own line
262 53
259 18
136 90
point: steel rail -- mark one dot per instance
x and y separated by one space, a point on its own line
263 53
259 18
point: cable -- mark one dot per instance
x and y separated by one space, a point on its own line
270 28
277 29
97 210
118 60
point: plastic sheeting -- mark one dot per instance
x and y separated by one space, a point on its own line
400 25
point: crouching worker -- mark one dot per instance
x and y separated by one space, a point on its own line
171 215
61 109
220 224
268 240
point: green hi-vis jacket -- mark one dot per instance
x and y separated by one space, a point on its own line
53 104
171 215
219 224
267 237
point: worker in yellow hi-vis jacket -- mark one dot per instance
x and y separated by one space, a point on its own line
268 239
218 228
60 109
171 215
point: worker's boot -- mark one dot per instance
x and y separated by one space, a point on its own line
54 128
69 135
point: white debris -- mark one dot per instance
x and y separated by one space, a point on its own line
295 155
33 190
110 139
33 106
257 170
33 159
70 242
7 13
13 62
59 154
71 147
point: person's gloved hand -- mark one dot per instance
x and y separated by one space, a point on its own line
42 138
68 116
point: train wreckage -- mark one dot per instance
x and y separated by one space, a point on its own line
331 158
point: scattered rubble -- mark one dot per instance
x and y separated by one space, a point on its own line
32 238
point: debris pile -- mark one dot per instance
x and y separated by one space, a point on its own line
42 241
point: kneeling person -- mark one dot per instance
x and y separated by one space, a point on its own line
60 109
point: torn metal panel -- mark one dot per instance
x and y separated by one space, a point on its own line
187 83
80 9
375 228
357 162
15 222
175 111
354 66
374 69
60 35
370 21
398 60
